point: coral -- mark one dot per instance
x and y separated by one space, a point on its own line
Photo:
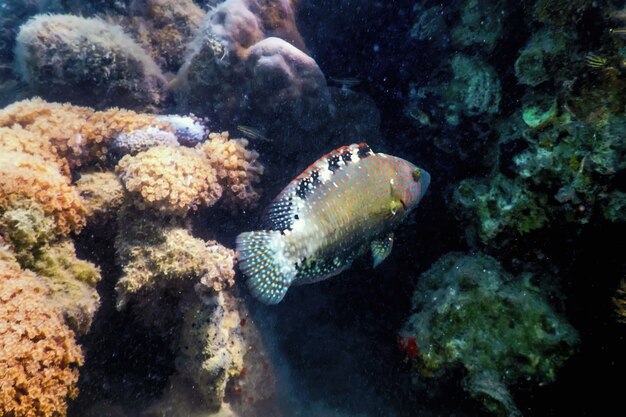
169 180
72 281
79 134
498 205
188 129
475 85
164 27
543 58
30 177
249 58
87 61
559 13
131 143
480 24
18 139
236 168
222 364
615 209
39 358
102 194
469 312
157 258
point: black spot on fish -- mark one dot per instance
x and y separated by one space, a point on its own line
296 217
315 177
305 187
347 157
333 163
364 151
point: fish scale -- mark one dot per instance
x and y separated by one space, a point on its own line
345 203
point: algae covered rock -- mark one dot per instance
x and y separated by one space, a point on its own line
470 313
87 61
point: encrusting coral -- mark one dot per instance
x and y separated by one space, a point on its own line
237 169
169 180
102 194
39 359
30 234
158 257
469 312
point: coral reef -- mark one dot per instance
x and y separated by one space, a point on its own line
222 364
30 234
39 359
158 257
236 167
31 178
79 134
619 301
469 312
169 180
480 24
249 58
102 194
131 143
87 61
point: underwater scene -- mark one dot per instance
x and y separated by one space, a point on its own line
312 208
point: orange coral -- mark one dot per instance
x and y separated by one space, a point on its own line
237 168
80 134
171 180
103 195
220 268
18 139
39 358
31 177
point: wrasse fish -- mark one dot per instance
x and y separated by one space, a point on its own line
252 133
342 206
596 61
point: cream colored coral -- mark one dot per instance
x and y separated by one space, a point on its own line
170 180
237 168
39 358
30 177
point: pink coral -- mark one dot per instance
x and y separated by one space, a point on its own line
39 358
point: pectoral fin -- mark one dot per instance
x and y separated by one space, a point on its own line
381 248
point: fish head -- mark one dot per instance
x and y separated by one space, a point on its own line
411 183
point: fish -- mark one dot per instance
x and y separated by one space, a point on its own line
346 82
252 133
621 32
596 61
347 203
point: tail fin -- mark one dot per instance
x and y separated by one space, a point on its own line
261 259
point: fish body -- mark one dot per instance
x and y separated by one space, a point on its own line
345 204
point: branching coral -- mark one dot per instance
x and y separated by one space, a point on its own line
236 167
469 312
169 180
87 61
38 356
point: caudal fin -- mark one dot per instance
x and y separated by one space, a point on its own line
261 260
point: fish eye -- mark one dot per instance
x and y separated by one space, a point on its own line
417 174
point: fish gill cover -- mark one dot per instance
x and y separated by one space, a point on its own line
124 186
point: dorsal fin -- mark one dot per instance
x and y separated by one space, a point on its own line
286 207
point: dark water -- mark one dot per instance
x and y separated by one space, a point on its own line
500 296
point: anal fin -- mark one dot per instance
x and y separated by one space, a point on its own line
381 248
